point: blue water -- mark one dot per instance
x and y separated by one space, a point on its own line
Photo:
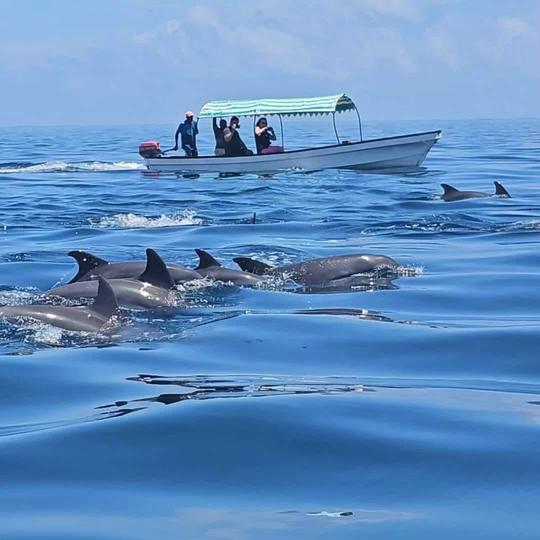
233 417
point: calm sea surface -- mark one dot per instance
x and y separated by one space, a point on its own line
233 416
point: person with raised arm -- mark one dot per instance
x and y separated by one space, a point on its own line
234 145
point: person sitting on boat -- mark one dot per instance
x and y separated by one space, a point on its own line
218 134
234 146
264 134
188 130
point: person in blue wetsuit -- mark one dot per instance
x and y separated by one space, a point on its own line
188 131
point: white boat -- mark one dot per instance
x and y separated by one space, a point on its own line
402 151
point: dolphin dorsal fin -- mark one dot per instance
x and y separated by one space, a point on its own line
86 262
105 304
205 259
156 272
500 190
449 189
251 265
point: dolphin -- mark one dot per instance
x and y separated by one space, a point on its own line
209 267
149 290
91 266
85 318
453 194
341 271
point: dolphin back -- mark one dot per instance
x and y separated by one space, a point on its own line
88 319
156 272
205 260
105 305
251 265
500 190
86 262
449 191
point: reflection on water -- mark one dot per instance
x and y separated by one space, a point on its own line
199 388
217 522
367 283
203 387
347 312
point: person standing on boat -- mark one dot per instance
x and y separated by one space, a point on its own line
218 134
234 145
264 135
188 130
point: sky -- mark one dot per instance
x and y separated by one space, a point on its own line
147 61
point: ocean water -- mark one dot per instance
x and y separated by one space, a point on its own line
236 414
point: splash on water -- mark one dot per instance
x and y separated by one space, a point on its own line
44 334
17 297
410 271
135 221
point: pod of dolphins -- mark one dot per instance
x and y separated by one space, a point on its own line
148 284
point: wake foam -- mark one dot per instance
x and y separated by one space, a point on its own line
134 221
62 166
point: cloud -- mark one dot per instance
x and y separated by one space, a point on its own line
168 28
384 52
323 41
514 27
172 26
203 15
406 9
442 47
145 38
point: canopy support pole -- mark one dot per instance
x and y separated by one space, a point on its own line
281 128
335 130
254 124
359 123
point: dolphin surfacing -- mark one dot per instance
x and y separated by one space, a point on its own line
91 266
211 268
340 270
450 193
150 290
82 319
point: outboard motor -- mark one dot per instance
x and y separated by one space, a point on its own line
150 149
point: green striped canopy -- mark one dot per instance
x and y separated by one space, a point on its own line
286 107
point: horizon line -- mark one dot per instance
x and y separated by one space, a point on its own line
364 121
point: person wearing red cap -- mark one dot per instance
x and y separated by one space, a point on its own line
188 130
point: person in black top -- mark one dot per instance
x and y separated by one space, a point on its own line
264 134
218 134
234 146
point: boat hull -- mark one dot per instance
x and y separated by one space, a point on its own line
402 151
